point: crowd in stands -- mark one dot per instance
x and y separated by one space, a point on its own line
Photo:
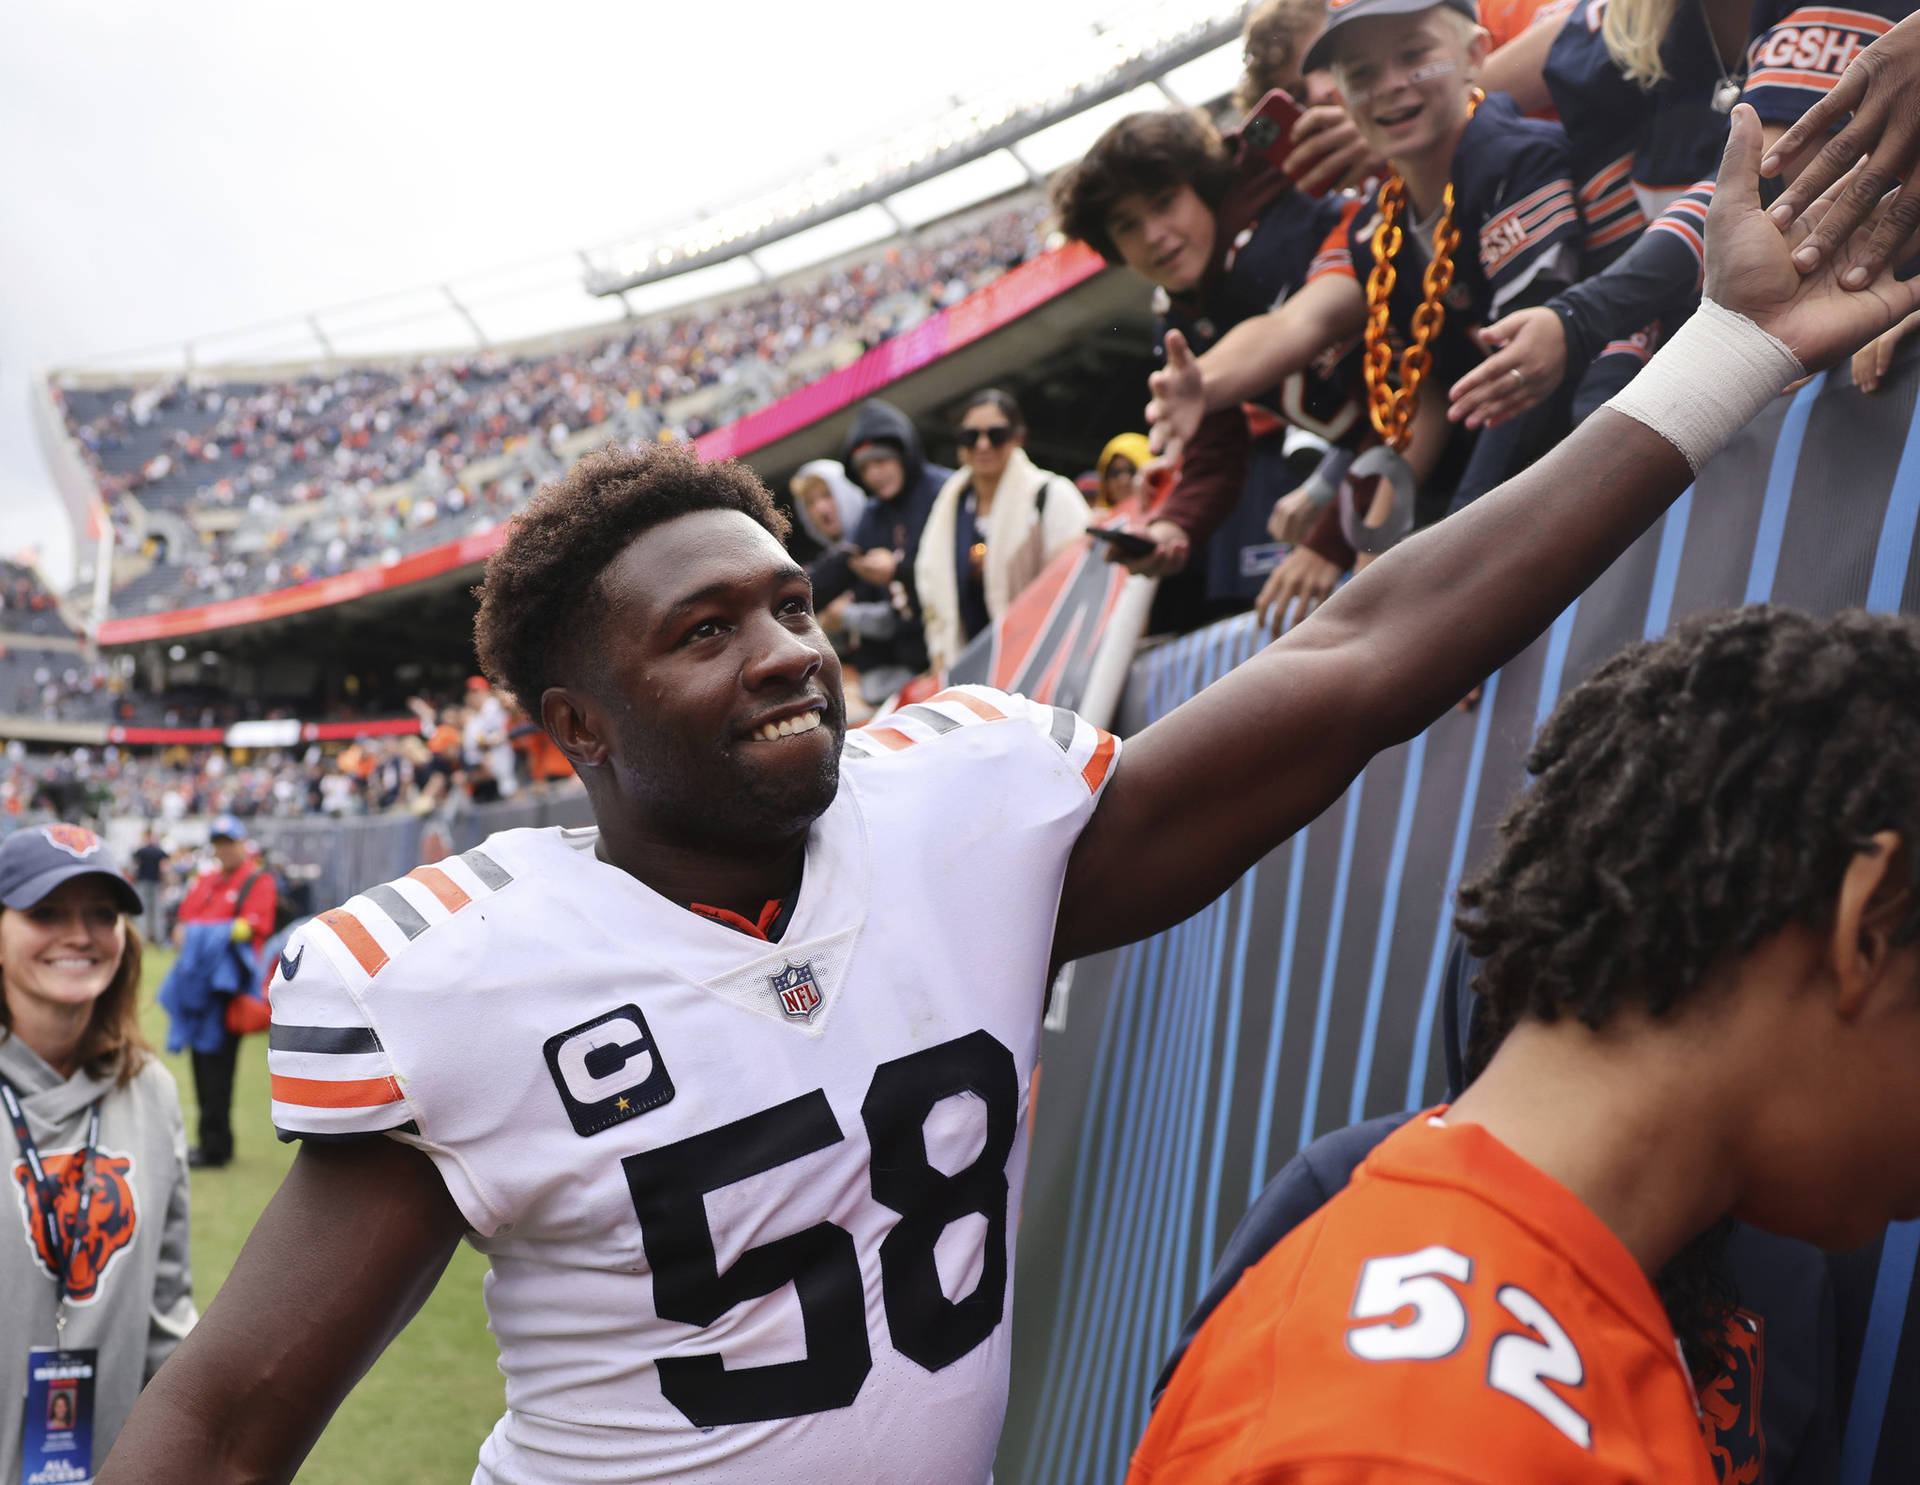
337 470
476 750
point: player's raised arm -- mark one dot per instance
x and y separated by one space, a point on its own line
345 1253
1200 796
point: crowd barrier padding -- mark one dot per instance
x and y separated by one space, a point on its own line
1192 1066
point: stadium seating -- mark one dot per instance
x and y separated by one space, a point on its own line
341 468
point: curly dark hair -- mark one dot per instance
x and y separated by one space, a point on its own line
541 592
1695 796
1144 153
1273 44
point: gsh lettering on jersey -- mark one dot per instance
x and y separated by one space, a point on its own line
608 1070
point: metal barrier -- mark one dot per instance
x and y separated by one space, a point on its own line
1191 1067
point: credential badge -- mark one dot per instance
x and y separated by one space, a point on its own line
797 991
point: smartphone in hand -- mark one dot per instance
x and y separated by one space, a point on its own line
1268 130
1126 543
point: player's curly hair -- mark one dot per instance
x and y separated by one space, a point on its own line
541 593
1696 795
1145 153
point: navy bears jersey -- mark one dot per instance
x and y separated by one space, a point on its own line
1513 205
1265 263
1635 149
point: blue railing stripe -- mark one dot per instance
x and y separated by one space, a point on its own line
1892 1285
1779 493
1443 928
1383 933
1330 961
1276 1029
1666 566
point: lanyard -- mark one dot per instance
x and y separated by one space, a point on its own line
60 1245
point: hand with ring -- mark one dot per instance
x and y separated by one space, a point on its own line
1526 361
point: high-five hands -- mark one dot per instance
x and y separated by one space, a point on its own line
1878 101
1751 261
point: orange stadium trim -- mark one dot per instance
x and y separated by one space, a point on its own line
348 1093
446 891
364 947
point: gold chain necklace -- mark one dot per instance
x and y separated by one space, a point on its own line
1392 408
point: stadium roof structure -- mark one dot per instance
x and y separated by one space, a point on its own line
1117 59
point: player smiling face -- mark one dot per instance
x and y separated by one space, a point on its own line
726 707
1406 78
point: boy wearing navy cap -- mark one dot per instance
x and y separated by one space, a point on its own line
1476 219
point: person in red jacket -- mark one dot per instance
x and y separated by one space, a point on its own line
237 889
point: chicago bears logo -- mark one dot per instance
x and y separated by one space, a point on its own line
75 840
1730 1407
111 1219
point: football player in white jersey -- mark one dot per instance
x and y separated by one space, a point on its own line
731 1089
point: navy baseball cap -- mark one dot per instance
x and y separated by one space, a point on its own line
227 825
35 861
1339 12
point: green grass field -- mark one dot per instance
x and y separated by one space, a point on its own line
420 1414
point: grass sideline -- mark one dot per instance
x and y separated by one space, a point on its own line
422 1411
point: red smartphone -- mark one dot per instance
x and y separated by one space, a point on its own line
1268 130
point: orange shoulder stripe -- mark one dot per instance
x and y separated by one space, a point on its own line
984 710
348 1093
354 935
888 737
446 891
1096 770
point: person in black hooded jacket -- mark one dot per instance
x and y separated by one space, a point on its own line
884 457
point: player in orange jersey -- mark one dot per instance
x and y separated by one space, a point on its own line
1699 943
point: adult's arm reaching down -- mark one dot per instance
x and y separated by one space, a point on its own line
1207 791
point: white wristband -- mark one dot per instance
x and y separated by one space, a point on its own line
1709 382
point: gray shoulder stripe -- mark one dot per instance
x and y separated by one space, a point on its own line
1062 729
404 914
938 721
338 1039
486 868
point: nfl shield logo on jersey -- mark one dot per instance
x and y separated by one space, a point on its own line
797 990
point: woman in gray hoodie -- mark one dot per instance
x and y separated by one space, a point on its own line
91 1137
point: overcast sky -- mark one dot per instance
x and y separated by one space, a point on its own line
177 171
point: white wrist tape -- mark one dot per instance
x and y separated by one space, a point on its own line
1709 382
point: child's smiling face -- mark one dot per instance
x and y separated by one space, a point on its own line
1406 78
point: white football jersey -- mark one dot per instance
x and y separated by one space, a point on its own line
750 1206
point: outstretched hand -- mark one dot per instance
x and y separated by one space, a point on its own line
1179 400
1751 269
1526 360
1878 101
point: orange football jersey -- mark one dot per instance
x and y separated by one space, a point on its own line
1453 1315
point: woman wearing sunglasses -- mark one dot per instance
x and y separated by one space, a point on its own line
994 525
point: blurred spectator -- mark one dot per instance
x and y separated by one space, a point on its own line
485 744
228 910
149 870
994 525
884 456
1121 461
